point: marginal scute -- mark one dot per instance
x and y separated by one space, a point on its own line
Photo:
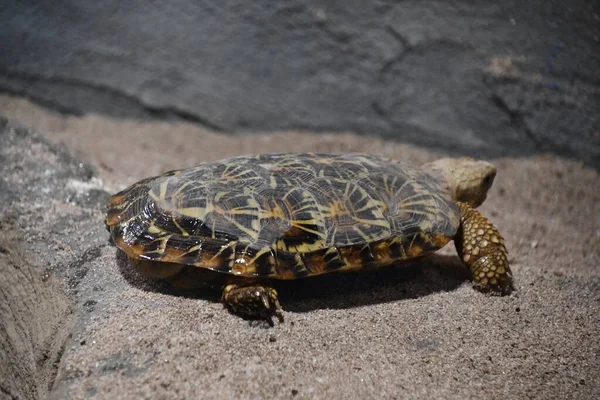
285 216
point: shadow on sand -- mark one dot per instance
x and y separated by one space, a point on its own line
407 280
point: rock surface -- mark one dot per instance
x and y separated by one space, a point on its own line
79 324
508 78
49 232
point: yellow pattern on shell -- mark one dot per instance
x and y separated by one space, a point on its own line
285 215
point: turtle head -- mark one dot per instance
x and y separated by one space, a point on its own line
468 180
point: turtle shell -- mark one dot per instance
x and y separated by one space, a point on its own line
284 216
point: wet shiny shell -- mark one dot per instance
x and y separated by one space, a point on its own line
284 216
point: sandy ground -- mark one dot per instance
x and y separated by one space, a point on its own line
420 332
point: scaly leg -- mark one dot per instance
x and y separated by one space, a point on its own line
481 247
254 300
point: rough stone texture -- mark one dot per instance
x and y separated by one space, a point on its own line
508 78
49 231
421 332
33 306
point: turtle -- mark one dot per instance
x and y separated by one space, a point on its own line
243 222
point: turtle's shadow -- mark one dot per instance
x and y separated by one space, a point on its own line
429 275
137 280
407 280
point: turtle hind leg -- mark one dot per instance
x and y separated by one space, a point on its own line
253 299
481 247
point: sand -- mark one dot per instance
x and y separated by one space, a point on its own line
420 332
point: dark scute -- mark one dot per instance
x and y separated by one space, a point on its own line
333 260
304 215
264 264
223 266
112 214
396 250
296 236
194 227
223 236
313 260
181 242
357 199
136 232
420 240
227 252
151 249
191 257
190 225
152 212
410 231
211 247
287 261
116 231
366 257
299 271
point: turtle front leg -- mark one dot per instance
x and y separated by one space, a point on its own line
253 300
481 247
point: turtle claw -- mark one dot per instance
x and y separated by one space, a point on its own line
253 301
278 311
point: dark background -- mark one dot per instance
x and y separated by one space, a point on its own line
483 78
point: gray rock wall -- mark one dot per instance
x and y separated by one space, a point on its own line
50 230
488 78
